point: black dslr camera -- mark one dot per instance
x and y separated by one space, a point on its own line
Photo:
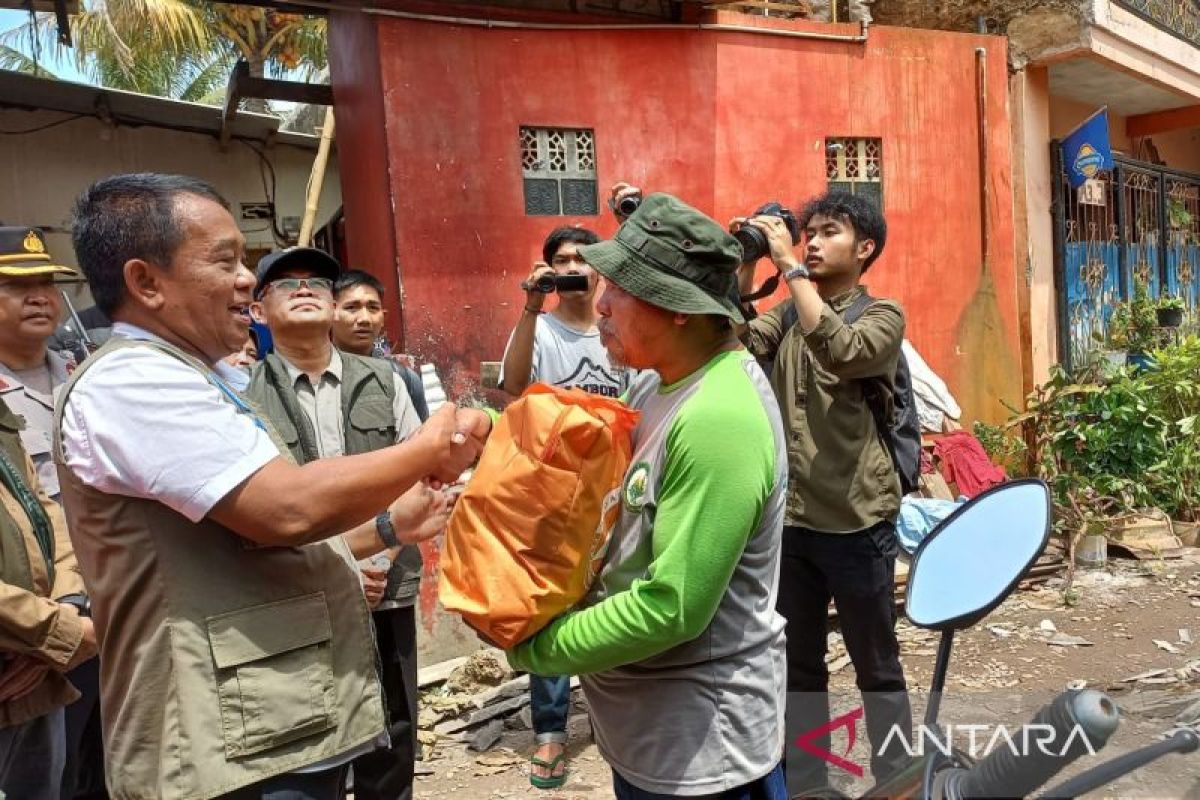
754 242
561 283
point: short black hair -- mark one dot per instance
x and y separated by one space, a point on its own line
125 217
560 236
356 277
862 214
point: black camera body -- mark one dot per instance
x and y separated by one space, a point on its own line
754 242
561 283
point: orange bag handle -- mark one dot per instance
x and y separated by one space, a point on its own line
614 413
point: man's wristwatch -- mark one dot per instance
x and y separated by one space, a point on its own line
386 530
81 602
798 271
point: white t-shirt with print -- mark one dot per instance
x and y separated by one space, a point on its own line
564 357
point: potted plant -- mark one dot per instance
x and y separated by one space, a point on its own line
1169 312
1141 325
1178 215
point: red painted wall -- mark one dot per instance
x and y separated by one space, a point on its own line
361 117
725 120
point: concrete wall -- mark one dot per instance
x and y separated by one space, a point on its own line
1032 111
41 173
1180 149
1066 114
693 113
725 120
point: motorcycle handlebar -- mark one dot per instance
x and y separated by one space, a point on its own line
1182 741
1081 722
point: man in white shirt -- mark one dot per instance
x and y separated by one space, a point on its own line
235 637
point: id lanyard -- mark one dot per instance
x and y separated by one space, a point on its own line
237 400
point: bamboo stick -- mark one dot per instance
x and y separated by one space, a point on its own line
316 180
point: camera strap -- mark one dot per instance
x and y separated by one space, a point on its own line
766 290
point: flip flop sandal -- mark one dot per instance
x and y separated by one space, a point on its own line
552 781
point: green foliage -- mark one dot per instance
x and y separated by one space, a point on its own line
1178 214
1117 444
1113 437
1143 321
1003 445
183 49
1170 302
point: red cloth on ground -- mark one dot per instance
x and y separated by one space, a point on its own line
966 464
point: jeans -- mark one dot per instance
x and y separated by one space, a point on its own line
32 756
550 704
856 570
327 785
769 787
387 773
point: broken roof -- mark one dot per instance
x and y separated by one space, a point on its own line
22 91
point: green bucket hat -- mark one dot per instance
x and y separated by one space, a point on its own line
672 256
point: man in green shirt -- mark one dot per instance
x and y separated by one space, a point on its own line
844 492
678 644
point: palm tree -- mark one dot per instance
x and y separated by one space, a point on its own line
173 48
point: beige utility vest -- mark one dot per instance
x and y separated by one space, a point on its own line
222 662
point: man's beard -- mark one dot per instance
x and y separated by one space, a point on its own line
616 354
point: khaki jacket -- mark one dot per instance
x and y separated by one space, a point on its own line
223 662
841 478
369 423
31 622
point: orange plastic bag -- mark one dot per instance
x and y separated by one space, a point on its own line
525 538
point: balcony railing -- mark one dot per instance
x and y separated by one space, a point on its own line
1179 17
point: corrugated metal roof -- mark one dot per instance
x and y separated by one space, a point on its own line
130 108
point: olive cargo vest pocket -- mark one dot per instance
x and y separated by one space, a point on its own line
374 415
274 673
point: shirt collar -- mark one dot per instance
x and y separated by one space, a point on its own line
231 375
842 301
333 370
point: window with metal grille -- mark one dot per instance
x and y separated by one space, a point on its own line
855 166
559 169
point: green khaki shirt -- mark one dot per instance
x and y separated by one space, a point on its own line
841 477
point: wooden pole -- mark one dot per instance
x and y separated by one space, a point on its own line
316 180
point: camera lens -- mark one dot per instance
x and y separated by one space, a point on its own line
754 243
544 284
628 205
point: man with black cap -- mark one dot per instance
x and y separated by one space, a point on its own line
678 644
328 403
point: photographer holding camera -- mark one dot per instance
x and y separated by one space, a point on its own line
561 348
832 352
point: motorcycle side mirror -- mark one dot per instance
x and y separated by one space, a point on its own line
972 561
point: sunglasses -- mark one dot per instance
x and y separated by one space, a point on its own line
293 284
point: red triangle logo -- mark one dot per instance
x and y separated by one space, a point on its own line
805 741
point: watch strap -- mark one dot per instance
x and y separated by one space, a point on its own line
385 529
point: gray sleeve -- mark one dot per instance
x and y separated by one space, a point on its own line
407 420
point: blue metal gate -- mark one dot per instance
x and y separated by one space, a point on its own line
1140 222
